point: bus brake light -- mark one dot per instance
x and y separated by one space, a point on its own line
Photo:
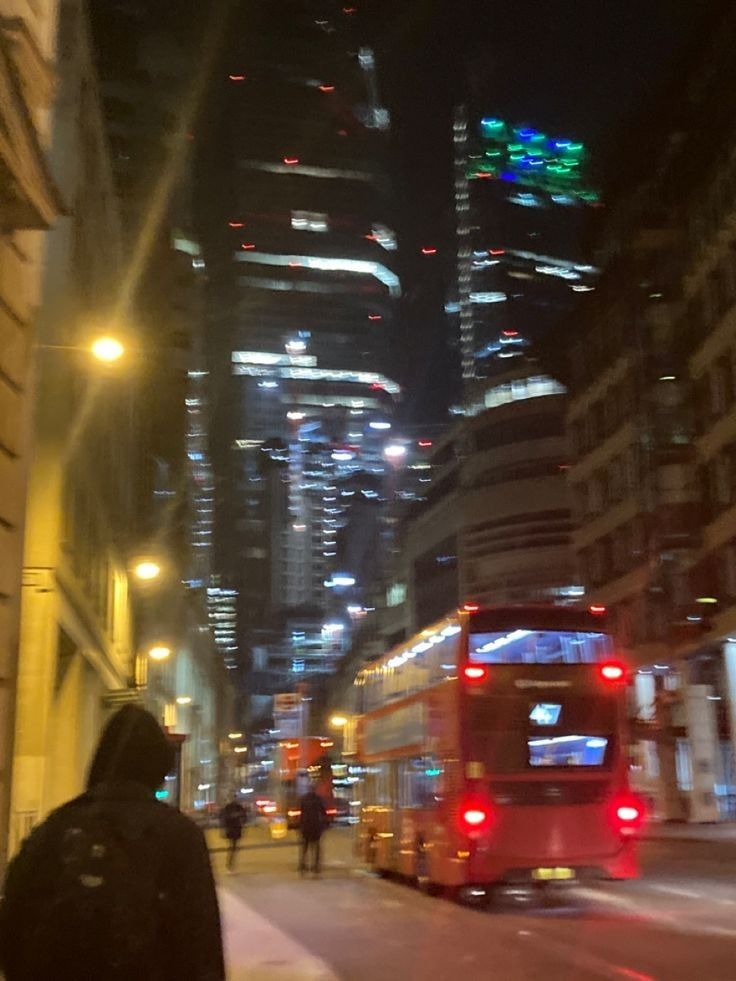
628 813
475 816
612 671
475 673
597 610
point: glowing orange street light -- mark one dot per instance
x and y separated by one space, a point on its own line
107 349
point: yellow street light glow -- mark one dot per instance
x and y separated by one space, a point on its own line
241 749
706 599
147 570
159 652
107 349
184 700
235 735
338 721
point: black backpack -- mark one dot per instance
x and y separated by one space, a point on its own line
82 898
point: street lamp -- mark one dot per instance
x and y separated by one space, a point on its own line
107 349
184 700
147 570
235 735
241 749
159 652
338 721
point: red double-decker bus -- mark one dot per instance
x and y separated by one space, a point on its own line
495 751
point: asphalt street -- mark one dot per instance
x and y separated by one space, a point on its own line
677 923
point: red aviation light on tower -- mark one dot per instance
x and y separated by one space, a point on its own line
291 161
236 224
236 78
326 88
429 250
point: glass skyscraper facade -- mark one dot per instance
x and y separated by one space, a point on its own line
300 254
521 204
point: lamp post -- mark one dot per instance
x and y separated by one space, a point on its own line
338 722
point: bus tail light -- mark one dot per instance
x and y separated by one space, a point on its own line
612 671
476 816
628 813
475 674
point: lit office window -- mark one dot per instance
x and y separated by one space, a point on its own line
309 221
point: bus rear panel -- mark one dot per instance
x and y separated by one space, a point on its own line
509 763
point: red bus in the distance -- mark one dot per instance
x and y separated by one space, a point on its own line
495 749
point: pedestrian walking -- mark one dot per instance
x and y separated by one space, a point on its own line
114 884
233 818
312 824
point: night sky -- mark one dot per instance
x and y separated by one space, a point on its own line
574 68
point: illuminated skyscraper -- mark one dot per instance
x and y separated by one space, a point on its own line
521 201
299 251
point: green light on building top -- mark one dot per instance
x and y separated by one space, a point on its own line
529 158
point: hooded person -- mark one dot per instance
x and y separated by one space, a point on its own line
114 884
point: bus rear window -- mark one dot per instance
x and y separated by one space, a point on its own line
513 733
539 647
572 750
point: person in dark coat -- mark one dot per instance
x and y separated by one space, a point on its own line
312 823
233 817
161 846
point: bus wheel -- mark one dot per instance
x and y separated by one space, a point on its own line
428 887
473 895
370 848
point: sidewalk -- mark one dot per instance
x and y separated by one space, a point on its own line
254 836
255 950
724 831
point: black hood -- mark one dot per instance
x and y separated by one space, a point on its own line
133 746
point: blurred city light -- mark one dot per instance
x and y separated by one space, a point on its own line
146 570
107 349
159 652
184 700
394 451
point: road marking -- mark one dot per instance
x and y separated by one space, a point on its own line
582 960
627 904
676 891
